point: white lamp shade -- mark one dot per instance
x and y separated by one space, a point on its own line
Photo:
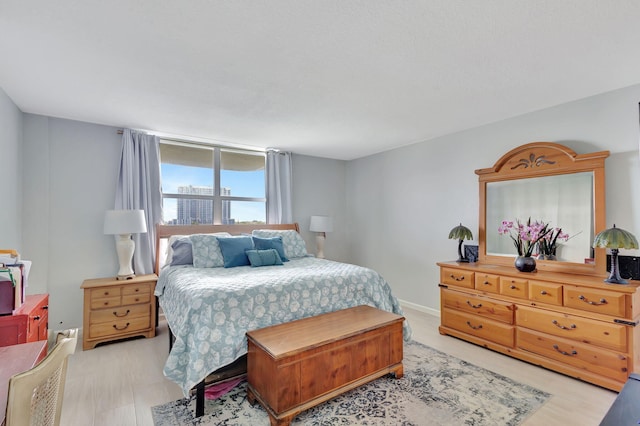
118 222
321 224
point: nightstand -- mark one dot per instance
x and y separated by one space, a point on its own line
117 309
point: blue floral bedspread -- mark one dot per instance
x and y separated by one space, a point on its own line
209 310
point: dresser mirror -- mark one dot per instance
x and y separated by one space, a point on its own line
548 182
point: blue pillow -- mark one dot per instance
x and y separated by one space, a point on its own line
271 243
182 252
233 250
264 257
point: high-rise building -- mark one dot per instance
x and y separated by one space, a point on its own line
199 211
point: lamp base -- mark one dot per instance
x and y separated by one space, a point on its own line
125 277
614 277
320 237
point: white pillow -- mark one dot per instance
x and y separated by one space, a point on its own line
173 239
206 250
292 241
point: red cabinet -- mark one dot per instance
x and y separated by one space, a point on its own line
29 323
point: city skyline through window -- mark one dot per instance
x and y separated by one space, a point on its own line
242 191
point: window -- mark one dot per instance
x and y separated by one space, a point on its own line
204 184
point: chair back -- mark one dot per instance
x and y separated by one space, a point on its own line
35 396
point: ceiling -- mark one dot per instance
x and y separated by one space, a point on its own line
339 79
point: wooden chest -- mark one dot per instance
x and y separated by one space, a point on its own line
294 366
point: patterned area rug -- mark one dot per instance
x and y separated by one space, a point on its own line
437 389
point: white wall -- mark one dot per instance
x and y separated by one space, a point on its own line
69 173
10 182
318 189
402 204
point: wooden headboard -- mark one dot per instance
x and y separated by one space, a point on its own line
163 232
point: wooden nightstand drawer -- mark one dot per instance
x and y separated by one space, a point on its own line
132 299
105 293
118 327
108 315
144 288
106 302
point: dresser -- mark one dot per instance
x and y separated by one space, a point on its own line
29 323
117 309
575 325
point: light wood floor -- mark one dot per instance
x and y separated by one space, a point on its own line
118 383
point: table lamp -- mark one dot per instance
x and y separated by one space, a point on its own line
123 223
614 239
461 233
321 225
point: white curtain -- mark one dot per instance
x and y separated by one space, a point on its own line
139 189
279 184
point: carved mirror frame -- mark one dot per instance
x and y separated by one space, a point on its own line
539 159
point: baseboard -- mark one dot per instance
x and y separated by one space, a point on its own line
426 310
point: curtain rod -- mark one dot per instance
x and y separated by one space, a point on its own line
205 142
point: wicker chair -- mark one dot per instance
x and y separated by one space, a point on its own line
35 396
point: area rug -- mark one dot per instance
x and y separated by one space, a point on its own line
437 389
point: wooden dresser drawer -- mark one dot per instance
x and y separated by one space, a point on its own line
595 300
580 355
478 326
119 326
606 335
456 277
488 282
514 287
496 310
544 292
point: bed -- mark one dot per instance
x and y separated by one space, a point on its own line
209 309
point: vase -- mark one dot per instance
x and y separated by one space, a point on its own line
525 264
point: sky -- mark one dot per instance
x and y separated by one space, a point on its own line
242 184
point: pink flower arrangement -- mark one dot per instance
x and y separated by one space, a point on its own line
525 236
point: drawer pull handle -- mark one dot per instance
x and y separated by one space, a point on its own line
479 305
36 318
121 328
543 292
572 353
512 287
457 278
486 283
602 301
571 327
477 327
45 307
123 315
